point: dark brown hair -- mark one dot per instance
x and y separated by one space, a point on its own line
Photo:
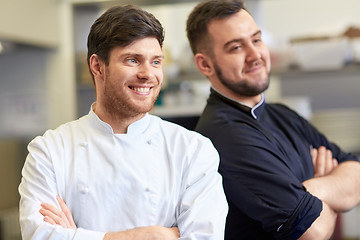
121 26
202 15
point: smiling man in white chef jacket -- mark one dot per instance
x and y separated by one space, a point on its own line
119 172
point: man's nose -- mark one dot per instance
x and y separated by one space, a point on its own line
252 53
145 71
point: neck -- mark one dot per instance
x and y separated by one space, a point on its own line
245 100
118 121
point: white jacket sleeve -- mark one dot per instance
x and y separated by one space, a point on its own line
39 185
203 207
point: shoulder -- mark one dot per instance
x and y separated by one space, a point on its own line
287 115
279 107
225 123
177 137
188 146
171 129
63 134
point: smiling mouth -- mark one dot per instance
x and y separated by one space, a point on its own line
141 89
255 67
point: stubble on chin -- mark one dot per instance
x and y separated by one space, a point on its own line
243 87
125 107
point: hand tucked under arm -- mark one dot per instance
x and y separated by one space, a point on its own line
64 218
55 216
323 161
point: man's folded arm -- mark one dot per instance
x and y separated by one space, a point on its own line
337 186
323 227
63 217
340 189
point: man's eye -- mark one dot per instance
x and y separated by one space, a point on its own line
131 60
237 47
257 40
157 62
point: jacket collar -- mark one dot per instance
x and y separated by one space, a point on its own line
255 111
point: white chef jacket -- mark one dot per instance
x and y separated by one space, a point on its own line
157 174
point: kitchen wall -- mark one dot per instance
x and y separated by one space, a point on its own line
304 17
300 18
35 68
23 91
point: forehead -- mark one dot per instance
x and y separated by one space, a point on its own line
148 46
238 26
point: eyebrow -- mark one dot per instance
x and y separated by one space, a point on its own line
130 54
239 40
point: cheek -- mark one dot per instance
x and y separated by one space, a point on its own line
235 66
268 63
159 75
266 55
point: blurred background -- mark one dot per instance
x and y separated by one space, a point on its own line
44 80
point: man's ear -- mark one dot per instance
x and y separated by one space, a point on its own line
204 64
96 67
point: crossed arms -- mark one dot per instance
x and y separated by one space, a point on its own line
337 186
63 217
330 182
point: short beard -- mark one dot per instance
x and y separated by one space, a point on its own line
119 107
116 106
242 87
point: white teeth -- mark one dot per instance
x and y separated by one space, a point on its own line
142 90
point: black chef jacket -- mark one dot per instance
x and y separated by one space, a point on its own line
265 157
